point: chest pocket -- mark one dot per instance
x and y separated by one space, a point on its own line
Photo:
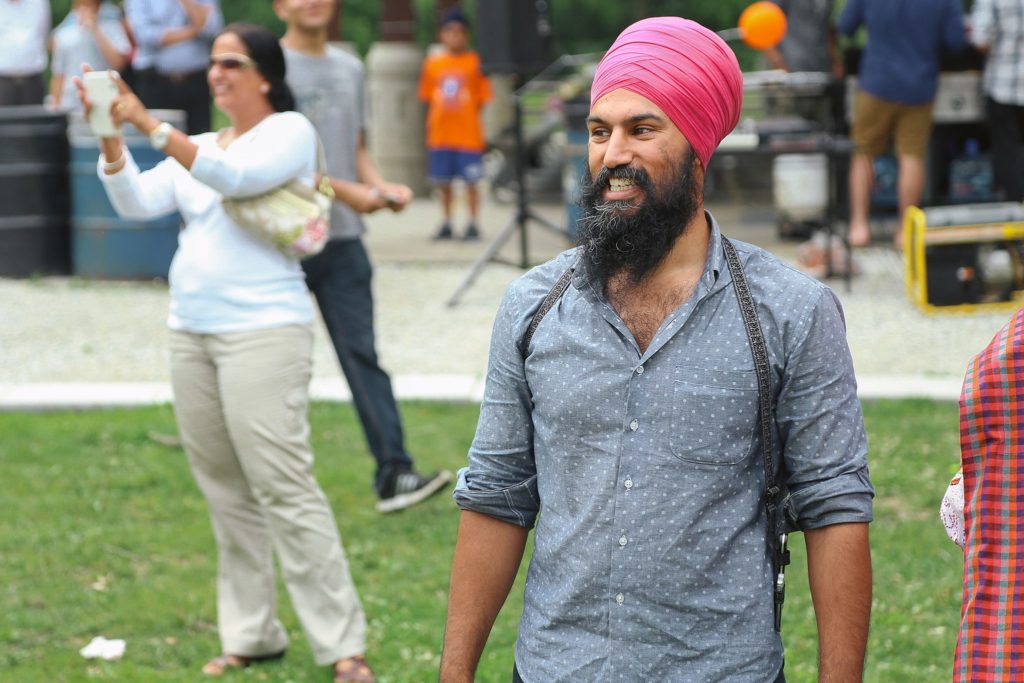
714 416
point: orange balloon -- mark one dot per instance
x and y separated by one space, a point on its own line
762 25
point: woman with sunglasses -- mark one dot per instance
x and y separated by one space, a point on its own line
241 345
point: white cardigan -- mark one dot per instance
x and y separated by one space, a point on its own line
223 279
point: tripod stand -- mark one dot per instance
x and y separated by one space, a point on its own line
523 215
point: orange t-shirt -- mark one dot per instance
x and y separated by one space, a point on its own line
455 90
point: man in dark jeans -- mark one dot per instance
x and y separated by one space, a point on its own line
328 85
339 277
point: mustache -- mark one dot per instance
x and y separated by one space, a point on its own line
637 175
592 187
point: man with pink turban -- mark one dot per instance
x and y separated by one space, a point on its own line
622 418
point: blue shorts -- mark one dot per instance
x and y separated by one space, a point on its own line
444 165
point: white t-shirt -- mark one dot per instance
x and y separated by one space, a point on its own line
222 278
24 25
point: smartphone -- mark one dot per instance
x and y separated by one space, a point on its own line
101 89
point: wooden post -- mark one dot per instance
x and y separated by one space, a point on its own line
443 6
397 24
396 126
334 27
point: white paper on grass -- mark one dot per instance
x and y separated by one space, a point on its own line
101 648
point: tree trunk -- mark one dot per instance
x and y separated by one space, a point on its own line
397 24
334 27
443 6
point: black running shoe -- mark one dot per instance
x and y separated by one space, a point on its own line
409 488
444 232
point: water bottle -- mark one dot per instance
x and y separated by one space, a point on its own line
970 175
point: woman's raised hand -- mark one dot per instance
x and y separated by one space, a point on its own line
126 107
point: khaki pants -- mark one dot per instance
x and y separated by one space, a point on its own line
241 402
877 123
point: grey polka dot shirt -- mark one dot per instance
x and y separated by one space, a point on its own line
643 475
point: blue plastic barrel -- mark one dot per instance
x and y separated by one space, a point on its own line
104 245
34 236
575 161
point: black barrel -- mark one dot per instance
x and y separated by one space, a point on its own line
34 191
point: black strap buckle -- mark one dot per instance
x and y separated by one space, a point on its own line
781 559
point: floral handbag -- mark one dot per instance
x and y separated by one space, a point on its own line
294 218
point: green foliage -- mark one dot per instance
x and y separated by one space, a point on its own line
589 26
579 25
104 532
256 11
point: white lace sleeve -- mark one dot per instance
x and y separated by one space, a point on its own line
951 512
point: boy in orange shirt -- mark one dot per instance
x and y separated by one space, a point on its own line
455 90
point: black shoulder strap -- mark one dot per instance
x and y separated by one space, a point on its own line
550 300
766 416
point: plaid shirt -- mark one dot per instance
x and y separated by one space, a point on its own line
992 451
999 25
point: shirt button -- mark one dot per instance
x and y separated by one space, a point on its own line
620 598
640 370
634 425
629 484
622 540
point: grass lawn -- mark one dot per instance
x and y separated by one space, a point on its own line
103 532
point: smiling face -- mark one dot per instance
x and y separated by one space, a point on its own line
642 190
235 82
631 133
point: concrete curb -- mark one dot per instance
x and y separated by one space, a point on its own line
52 396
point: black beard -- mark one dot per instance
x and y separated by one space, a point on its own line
633 238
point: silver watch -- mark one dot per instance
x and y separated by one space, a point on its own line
160 136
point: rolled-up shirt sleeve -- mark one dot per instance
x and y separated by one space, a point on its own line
147 29
501 478
214 20
821 425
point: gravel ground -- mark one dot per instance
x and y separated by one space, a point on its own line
73 330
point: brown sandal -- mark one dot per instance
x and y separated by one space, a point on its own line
353 670
221 664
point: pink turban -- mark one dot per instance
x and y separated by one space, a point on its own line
685 69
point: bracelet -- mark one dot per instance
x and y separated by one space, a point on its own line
112 167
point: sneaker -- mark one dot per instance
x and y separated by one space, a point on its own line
472 233
444 233
409 488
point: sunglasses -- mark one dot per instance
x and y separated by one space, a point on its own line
232 62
